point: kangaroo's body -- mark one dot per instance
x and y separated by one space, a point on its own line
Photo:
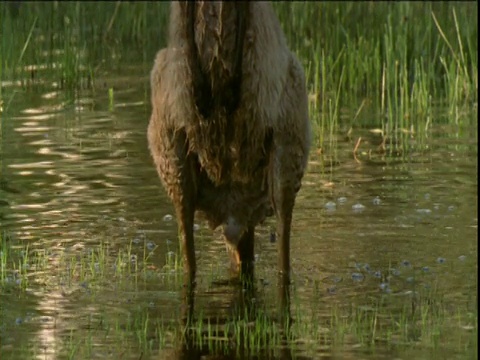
229 130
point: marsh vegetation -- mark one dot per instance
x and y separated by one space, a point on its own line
384 245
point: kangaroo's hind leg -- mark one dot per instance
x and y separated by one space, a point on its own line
245 250
184 199
178 170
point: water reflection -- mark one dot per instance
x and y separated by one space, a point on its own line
77 175
245 306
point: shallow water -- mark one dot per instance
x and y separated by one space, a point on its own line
78 187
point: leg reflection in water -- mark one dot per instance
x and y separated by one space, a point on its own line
240 329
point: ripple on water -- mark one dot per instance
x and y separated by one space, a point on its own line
385 287
330 206
424 211
167 218
332 290
357 208
357 277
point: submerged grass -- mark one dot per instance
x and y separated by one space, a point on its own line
424 319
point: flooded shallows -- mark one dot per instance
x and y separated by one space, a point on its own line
384 249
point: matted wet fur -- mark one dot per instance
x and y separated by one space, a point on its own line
229 131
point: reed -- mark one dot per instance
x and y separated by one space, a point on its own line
407 62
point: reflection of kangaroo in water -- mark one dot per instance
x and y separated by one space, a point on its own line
229 130
244 307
